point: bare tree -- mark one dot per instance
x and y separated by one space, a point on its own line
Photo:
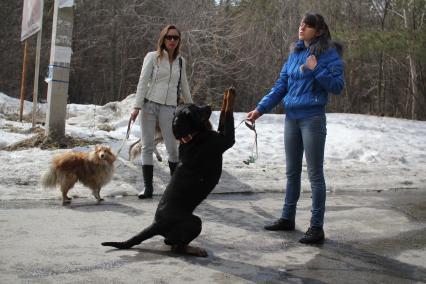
243 43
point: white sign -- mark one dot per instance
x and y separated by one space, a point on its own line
65 3
32 16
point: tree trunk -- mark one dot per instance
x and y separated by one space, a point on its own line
414 89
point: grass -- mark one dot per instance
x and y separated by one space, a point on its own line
40 140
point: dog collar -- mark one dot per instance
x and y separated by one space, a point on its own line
185 139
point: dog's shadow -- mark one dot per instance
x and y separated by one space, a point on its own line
243 259
155 251
95 206
239 269
347 259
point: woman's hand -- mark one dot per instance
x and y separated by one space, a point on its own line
311 62
253 115
134 114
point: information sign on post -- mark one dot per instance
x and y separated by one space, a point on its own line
31 18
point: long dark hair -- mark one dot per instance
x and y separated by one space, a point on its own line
323 41
161 45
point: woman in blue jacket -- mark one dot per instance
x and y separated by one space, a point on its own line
314 68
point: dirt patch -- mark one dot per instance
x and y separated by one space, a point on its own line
14 129
39 119
43 142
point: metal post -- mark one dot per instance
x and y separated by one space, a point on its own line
37 68
59 69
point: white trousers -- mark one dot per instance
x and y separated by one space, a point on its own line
150 113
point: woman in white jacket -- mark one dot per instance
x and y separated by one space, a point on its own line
162 82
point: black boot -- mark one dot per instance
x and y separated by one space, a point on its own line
314 235
281 225
148 173
172 167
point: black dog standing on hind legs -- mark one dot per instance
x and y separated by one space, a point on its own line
198 172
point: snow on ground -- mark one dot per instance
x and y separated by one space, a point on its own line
362 153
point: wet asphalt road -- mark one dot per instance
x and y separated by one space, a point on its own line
372 237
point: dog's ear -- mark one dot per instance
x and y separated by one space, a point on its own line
199 117
205 113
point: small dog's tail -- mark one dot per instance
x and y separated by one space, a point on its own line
131 147
49 178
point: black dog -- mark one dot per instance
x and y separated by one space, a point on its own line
198 172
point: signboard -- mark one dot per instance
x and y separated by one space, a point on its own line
65 3
31 18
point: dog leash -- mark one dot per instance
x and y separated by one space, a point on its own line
254 151
129 128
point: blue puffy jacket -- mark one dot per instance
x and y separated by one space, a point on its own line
304 92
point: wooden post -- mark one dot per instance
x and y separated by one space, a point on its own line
23 79
36 75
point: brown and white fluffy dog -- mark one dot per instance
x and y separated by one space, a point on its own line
93 169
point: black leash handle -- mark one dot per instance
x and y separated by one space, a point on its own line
129 128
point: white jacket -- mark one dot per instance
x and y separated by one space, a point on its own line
159 79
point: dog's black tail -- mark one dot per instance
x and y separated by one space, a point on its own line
147 233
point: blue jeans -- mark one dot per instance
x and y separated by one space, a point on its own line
305 135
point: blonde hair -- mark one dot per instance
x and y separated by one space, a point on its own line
161 45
